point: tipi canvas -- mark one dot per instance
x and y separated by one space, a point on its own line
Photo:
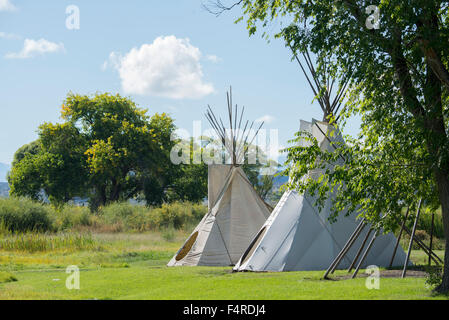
236 213
297 236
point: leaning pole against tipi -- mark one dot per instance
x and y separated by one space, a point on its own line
236 211
297 236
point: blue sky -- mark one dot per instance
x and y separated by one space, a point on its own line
42 60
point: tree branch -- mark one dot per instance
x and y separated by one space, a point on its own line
406 87
434 62
216 7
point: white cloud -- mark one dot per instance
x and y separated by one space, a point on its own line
6 5
266 118
168 67
113 61
32 48
213 58
6 35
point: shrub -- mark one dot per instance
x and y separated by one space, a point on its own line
73 216
425 222
23 215
198 211
422 235
126 215
176 215
437 244
434 276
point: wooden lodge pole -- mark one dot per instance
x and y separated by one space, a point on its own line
360 250
399 238
431 238
345 249
424 247
365 254
412 236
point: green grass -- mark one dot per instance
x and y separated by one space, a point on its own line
7 277
200 283
132 266
419 257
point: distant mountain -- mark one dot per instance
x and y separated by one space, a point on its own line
4 168
4 190
278 181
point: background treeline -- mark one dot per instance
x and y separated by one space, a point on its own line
108 150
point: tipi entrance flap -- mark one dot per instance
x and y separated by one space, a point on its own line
269 247
187 246
251 250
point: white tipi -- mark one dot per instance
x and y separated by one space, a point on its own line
297 236
236 211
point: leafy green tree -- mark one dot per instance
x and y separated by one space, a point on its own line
159 179
127 150
399 84
190 178
106 149
262 183
191 184
65 175
53 164
32 148
24 179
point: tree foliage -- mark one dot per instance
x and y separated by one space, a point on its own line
106 149
399 84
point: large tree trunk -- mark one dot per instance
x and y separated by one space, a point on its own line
443 193
434 126
437 140
114 193
437 75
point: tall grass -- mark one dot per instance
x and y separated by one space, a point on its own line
23 215
38 242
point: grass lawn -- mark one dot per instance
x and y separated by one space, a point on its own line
132 266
